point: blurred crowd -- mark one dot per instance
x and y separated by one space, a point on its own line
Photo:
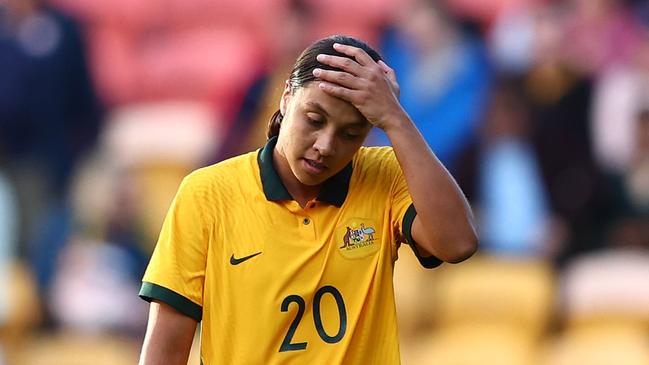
539 109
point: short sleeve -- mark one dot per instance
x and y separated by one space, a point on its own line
176 272
404 212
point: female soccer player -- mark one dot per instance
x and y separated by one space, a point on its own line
286 254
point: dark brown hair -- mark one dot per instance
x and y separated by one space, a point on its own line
302 72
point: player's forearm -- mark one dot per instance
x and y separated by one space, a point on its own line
445 222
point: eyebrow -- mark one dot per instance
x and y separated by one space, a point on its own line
316 105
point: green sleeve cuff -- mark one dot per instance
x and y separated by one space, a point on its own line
429 262
150 292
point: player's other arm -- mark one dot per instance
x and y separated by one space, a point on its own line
169 336
444 225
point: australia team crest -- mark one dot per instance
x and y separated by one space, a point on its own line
357 238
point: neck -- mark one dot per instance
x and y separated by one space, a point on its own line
300 192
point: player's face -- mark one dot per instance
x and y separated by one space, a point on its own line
319 134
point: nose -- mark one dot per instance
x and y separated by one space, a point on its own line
324 144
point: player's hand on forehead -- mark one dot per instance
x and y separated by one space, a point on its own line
355 66
370 86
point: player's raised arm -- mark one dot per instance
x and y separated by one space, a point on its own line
169 336
444 225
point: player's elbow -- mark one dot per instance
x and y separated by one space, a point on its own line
460 248
462 251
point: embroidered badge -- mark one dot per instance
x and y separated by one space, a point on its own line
357 238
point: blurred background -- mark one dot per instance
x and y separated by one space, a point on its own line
539 108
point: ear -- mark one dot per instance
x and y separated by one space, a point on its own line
286 96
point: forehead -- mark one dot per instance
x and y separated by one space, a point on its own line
311 99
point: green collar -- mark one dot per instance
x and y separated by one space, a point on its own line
334 190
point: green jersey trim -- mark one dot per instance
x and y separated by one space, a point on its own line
429 262
334 190
150 292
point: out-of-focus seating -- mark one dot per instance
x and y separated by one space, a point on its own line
488 310
609 287
356 18
480 345
490 291
152 50
414 289
615 344
181 132
24 311
146 13
202 64
77 349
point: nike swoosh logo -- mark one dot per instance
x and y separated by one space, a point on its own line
236 261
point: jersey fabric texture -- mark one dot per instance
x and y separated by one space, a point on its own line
275 283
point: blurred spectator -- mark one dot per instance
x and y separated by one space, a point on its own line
99 267
599 34
93 289
501 176
621 93
444 76
560 95
8 241
631 188
49 115
486 12
511 40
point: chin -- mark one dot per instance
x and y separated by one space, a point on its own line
310 180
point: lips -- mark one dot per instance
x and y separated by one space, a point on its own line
314 167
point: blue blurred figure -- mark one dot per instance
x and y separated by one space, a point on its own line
502 177
49 117
444 75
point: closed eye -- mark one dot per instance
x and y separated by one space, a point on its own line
350 136
315 122
314 119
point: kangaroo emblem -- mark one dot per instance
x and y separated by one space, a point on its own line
346 238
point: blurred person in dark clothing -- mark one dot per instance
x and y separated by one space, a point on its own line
611 283
49 115
560 95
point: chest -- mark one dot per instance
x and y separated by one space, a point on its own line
266 246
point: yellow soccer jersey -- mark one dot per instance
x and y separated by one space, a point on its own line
275 283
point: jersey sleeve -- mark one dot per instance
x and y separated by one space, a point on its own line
176 272
404 213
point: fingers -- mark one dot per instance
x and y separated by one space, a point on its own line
343 63
359 55
339 77
339 91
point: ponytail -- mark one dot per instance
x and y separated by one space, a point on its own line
274 124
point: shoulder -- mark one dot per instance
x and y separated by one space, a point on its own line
376 166
218 178
376 160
